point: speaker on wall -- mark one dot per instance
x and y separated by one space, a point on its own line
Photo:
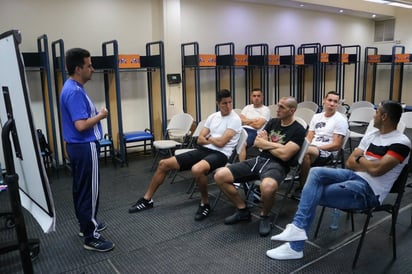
174 78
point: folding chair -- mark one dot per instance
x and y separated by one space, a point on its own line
339 157
302 122
106 146
238 111
391 207
310 105
406 118
342 109
145 136
360 104
176 133
191 146
305 113
360 117
273 110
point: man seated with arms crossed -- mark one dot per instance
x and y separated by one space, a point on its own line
326 133
254 117
216 143
373 167
280 141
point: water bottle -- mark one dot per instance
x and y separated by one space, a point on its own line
335 219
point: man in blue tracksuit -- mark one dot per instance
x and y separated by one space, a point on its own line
82 131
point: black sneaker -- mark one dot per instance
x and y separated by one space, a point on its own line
239 216
100 227
265 225
202 212
141 204
98 244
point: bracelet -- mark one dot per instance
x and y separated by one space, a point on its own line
358 158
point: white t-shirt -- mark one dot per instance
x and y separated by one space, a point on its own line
325 127
375 146
217 124
251 112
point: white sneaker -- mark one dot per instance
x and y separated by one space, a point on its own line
284 252
290 234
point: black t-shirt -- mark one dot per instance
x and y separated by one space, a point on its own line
277 133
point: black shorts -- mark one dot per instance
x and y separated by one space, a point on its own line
214 158
251 135
257 169
323 161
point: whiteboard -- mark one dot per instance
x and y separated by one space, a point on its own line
34 185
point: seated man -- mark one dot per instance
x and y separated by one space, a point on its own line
216 141
373 168
325 135
280 141
254 117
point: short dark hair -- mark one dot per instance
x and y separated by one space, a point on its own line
393 109
75 58
223 93
333 93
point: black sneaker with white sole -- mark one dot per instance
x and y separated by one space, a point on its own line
140 205
98 244
202 212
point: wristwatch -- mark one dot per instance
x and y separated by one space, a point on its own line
358 158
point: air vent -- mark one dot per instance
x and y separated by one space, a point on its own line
384 30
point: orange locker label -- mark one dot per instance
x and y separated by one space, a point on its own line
344 58
374 58
274 59
402 58
241 60
207 60
129 61
299 59
324 57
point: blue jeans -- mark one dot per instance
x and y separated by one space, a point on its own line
331 187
